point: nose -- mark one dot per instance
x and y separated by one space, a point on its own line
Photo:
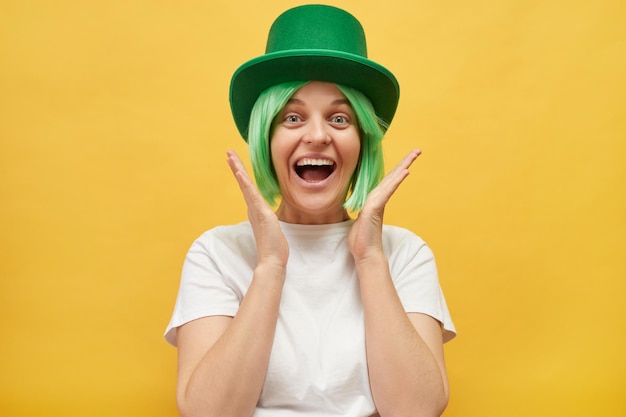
317 132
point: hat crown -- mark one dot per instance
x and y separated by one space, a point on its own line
319 27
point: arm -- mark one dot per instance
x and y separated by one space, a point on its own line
223 361
404 351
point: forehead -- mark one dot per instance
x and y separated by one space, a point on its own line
319 91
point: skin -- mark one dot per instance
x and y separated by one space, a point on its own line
404 351
318 122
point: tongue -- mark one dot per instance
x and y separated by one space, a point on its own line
314 173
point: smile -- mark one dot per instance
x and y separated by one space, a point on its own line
314 169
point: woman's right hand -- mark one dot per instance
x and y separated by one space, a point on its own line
272 247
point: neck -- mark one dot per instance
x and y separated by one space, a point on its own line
286 215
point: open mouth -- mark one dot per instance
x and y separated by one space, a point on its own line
314 169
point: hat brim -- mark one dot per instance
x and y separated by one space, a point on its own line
362 74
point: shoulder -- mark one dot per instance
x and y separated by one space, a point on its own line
231 238
402 245
226 233
395 235
220 250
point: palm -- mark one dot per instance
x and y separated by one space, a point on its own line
365 238
271 244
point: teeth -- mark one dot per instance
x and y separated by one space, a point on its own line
314 162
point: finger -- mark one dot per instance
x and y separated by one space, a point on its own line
411 157
406 162
250 192
237 168
235 162
394 178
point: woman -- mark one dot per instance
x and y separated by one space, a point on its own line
303 311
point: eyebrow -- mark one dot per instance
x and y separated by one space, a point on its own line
338 101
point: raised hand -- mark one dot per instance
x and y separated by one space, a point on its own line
365 238
272 247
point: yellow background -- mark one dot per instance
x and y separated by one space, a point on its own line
114 122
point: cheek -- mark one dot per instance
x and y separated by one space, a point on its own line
278 143
278 154
352 149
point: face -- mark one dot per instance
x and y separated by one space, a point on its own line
315 149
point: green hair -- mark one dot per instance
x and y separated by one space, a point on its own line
369 170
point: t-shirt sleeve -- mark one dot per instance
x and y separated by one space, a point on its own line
204 290
414 271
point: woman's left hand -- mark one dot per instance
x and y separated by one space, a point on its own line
365 238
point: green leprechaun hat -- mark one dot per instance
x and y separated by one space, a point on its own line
313 43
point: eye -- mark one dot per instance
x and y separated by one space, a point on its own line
340 120
292 118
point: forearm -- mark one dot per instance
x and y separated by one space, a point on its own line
405 377
229 378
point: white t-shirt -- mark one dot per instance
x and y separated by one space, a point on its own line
317 366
